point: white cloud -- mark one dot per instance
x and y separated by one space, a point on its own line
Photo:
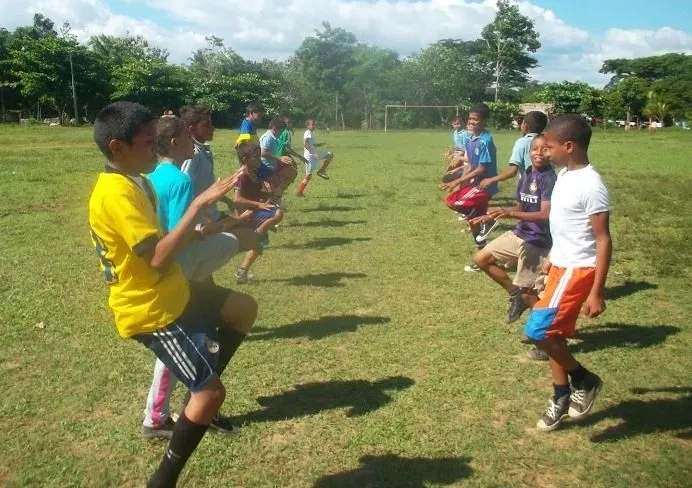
275 29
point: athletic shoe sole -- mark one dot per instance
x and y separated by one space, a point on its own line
574 414
549 428
484 237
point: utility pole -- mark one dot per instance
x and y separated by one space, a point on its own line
74 93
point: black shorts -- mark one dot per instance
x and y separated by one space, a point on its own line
207 300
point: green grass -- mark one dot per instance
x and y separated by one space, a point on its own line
376 361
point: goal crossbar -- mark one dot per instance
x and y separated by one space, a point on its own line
387 107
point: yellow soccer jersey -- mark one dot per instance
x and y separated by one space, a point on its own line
124 227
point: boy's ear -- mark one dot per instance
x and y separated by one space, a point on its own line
115 146
569 147
174 142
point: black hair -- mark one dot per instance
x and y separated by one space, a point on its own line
255 107
571 127
246 149
456 118
536 121
277 123
166 129
121 121
481 109
194 114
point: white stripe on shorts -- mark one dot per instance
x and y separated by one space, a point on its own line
172 353
182 352
560 289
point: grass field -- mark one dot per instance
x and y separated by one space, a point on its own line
376 361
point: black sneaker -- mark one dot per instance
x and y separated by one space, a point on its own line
584 395
553 417
516 308
323 175
486 229
164 432
537 354
223 425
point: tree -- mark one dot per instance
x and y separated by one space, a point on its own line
633 92
217 60
509 40
656 108
572 97
327 58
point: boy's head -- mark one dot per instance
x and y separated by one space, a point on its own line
288 120
310 124
456 123
534 122
538 152
125 132
567 138
255 112
249 154
197 119
478 117
173 139
276 125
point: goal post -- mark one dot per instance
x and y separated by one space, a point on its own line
405 106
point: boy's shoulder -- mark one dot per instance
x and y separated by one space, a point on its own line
168 172
247 126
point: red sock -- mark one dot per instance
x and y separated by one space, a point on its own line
303 184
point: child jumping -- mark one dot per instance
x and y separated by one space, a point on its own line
313 158
579 262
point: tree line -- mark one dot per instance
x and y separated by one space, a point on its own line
331 76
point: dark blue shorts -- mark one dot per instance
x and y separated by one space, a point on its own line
263 215
265 171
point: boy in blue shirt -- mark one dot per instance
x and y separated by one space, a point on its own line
455 157
248 131
466 197
275 169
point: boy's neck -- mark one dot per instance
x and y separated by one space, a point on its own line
577 162
120 169
199 140
172 160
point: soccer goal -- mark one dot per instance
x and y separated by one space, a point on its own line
406 107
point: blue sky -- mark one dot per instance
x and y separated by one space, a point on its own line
577 35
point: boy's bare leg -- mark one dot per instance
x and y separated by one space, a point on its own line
488 264
269 223
558 352
250 259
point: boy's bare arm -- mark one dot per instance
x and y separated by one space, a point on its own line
244 202
541 216
505 175
479 171
595 303
166 249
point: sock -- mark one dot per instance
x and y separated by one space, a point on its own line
303 184
186 438
230 340
577 376
560 391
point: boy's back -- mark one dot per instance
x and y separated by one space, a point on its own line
174 192
578 194
124 227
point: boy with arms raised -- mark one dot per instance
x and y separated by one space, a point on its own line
202 256
313 157
528 244
579 262
151 300
466 197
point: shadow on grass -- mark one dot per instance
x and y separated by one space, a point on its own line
640 417
348 195
322 243
628 288
324 280
330 223
393 471
318 328
332 208
622 335
358 396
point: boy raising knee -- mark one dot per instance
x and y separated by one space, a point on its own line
150 298
313 157
579 262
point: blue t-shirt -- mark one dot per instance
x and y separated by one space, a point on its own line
521 153
269 142
535 187
174 191
246 133
481 150
460 138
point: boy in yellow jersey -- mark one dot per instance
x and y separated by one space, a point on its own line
248 129
150 298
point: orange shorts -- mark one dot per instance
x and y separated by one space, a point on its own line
555 315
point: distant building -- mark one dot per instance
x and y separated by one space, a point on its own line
546 108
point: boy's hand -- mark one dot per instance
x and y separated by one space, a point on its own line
217 191
546 265
593 306
286 160
451 186
480 220
265 206
485 183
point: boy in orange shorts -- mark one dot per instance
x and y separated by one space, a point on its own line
578 267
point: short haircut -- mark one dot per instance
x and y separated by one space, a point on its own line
120 121
166 129
537 137
277 123
255 108
247 149
456 119
571 127
481 109
307 122
536 121
194 114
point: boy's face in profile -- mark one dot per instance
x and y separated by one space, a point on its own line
476 123
256 117
456 125
524 128
186 145
558 152
203 130
539 153
289 122
139 156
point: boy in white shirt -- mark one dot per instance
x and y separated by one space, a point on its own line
579 262
313 157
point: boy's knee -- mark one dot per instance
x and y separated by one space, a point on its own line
483 259
240 312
